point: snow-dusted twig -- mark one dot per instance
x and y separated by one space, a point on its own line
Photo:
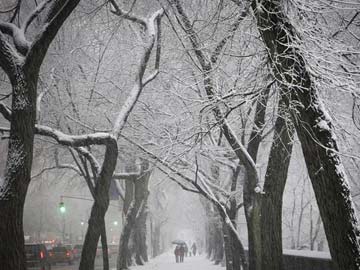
206 65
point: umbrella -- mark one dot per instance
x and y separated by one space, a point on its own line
178 242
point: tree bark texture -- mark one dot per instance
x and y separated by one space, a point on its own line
274 184
104 247
252 203
22 65
315 131
99 208
227 247
141 194
18 170
124 255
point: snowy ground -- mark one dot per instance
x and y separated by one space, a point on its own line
167 261
163 262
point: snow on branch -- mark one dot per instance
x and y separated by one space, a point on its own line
17 35
58 12
201 173
176 172
139 83
203 190
236 145
90 157
188 28
9 56
75 140
184 187
220 46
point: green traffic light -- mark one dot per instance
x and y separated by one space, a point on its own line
62 207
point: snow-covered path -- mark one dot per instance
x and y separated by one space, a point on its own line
167 261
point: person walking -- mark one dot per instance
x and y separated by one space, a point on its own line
177 254
182 253
193 248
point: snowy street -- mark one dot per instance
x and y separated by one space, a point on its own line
163 262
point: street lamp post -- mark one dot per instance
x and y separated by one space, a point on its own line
62 209
82 223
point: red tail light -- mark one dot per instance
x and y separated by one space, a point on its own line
41 255
68 254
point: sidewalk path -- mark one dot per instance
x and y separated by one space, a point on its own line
167 262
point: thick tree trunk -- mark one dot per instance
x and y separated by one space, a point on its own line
275 179
140 239
227 247
124 252
141 195
218 244
252 214
134 212
233 248
156 234
252 203
317 138
99 208
18 171
104 247
239 257
329 183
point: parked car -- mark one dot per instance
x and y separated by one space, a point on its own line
77 251
61 254
37 257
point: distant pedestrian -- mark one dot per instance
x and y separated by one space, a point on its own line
182 253
186 250
193 247
177 254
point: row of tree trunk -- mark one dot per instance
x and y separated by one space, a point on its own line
299 109
132 243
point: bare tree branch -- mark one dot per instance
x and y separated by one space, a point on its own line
34 15
74 140
8 56
19 39
126 15
59 11
138 84
5 111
